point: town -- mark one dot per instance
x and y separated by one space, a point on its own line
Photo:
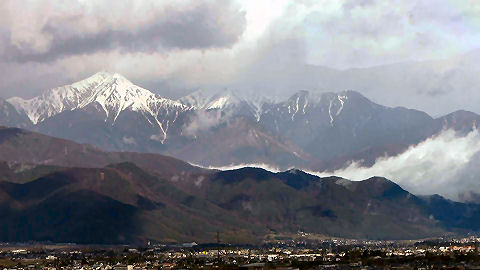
447 253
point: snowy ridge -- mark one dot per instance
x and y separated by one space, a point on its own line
296 108
111 91
111 94
223 101
195 100
226 101
205 101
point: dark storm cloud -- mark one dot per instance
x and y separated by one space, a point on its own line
214 24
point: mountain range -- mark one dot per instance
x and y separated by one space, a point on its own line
315 131
103 181
57 190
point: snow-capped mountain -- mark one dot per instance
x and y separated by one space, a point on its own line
109 111
311 130
195 100
326 126
229 103
332 125
113 92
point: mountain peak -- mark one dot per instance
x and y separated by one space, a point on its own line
103 77
112 91
222 100
107 74
351 93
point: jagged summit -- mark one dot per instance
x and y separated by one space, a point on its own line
195 100
202 99
229 102
112 91
234 103
224 100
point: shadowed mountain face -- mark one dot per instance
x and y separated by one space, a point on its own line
309 130
123 203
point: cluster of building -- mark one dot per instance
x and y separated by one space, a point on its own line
329 254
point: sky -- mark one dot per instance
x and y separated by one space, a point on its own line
419 54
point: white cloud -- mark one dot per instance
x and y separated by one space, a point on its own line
447 164
264 166
347 34
49 30
203 120
129 140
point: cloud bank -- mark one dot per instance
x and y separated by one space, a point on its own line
447 164
86 30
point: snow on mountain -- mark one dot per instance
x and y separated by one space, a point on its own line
113 92
223 101
228 102
111 112
329 104
195 100
322 105
201 99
